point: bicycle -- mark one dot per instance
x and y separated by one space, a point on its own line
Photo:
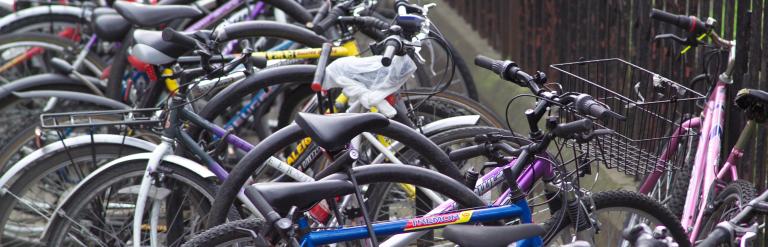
182 39
701 180
510 173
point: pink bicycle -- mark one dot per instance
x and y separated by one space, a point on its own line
702 188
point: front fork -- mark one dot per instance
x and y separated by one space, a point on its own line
579 213
141 201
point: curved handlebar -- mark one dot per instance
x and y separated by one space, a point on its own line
171 35
567 130
584 104
689 23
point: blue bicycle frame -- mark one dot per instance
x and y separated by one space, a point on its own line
517 210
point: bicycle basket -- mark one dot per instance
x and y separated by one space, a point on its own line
655 108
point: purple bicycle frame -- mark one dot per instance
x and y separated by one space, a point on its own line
539 168
221 12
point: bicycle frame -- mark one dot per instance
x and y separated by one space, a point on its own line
706 169
519 209
539 169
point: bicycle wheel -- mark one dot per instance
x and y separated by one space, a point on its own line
679 180
100 212
449 104
26 54
32 195
728 204
614 212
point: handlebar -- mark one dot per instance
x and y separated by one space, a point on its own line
366 21
322 62
390 47
481 149
508 71
566 130
689 23
171 35
584 104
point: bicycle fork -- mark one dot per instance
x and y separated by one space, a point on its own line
146 182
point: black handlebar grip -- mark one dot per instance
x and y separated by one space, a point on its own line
586 105
717 236
329 20
688 23
467 152
568 129
176 37
389 53
486 63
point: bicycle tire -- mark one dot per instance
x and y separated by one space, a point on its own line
116 174
227 233
729 202
462 70
681 179
622 200
451 104
45 169
25 112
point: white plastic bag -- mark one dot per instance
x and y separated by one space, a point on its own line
365 80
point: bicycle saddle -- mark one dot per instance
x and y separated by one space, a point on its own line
332 132
152 49
283 195
754 102
109 25
154 15
502 236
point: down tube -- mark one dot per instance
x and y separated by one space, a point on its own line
421 223
671 149
540 169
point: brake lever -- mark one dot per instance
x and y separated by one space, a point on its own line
584 138
693 42
670 36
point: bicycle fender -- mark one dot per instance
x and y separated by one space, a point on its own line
39 82
449 123
82 13
75 96
71 143
185 163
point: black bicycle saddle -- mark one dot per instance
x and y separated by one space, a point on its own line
283 195
152 49
488 236
332 132
754 102
153 15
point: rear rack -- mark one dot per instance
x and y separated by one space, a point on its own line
135 118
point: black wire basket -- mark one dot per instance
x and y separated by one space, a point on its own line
655 107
